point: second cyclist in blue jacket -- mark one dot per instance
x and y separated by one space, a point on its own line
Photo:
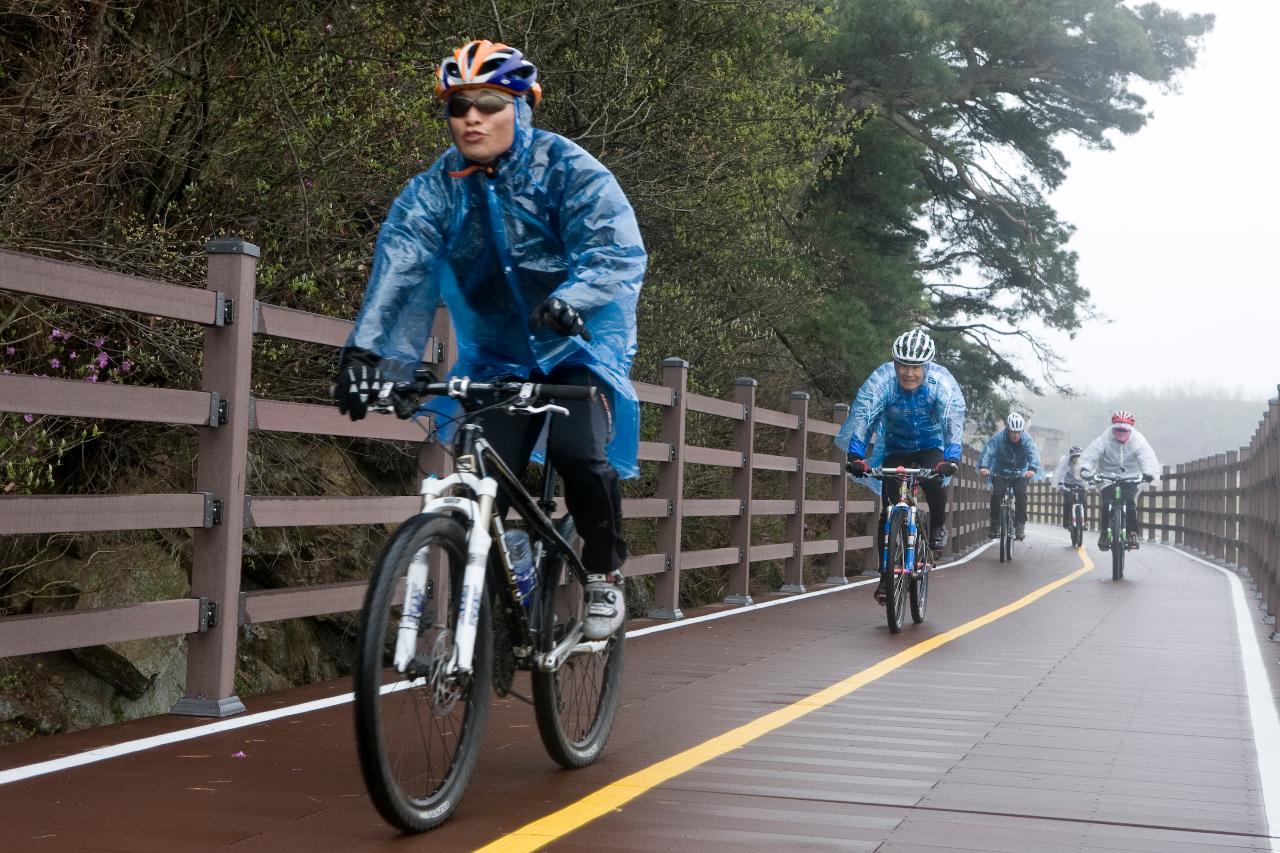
1011 453
914 410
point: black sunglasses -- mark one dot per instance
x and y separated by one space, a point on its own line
486 102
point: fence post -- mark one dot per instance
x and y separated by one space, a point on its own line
217 549
739 591
666 591
840 521
793 576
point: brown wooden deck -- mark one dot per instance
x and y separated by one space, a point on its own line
1105 716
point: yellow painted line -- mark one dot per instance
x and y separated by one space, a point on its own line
543 831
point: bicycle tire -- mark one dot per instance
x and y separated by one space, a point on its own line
576 704
919 584
1118 542
895 603
397 729
1006 534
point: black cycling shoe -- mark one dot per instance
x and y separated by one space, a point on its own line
1019 533
1103 544
881 595
994 532
938 539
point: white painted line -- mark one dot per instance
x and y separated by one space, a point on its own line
1262 705
115 750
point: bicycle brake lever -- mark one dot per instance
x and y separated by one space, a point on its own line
525 409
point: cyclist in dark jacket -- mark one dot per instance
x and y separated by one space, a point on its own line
1011 452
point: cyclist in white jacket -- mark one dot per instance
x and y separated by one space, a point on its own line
1119 452
1067 478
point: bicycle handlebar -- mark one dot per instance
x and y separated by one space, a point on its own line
524 394
901 473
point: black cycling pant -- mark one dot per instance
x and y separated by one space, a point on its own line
1129 493
1070 496
1019 500
576 449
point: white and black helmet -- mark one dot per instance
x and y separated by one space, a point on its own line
1015 422
914 347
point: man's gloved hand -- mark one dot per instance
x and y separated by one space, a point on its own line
1086 474
1147 478
558 316
986 472
1028 473
857 466
359 379
946 468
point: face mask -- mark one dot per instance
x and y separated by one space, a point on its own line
1120 434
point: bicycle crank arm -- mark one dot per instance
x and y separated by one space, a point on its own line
571 645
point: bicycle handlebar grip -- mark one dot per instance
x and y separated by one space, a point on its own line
585 333
566 392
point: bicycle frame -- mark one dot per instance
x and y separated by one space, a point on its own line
906 503
480 473
1118 500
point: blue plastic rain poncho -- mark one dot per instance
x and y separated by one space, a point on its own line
552 221
931 416
1004 457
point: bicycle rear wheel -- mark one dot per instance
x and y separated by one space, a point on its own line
575 705
895 604
418 739
920 577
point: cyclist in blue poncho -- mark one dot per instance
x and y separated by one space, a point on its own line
915 409
1011 453
535 250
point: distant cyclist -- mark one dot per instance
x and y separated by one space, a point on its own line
1119 452
1011 452
915 409
1067 478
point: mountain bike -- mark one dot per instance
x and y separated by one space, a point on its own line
1007 514
907 565
1075 494
1117 520
458 603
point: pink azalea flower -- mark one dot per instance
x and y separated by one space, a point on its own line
102 359
92 377
57 333
55 363
28 418
126 366
99 342
9 350
73 355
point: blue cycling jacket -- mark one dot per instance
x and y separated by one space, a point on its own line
932 416
1003 457
552 222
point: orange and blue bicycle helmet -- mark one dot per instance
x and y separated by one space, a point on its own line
483 64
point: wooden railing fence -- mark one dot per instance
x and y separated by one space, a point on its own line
1224 507
219 511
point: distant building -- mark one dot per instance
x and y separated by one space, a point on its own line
1052 443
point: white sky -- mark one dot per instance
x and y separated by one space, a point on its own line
1177 229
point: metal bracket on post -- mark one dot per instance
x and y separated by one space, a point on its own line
212 509
671 510
224 309
253 413
217 409
208 615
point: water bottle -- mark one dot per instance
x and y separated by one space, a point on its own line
520 554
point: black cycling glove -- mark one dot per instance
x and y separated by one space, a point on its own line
946 468
359 379
558 316
1147 478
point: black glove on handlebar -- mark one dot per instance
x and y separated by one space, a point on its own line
857 466
1147 478
558 316
359 379
946 468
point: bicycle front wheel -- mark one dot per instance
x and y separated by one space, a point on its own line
418 734
920 577
575 705
1118 541
895 605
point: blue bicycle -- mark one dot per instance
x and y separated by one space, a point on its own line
907 566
